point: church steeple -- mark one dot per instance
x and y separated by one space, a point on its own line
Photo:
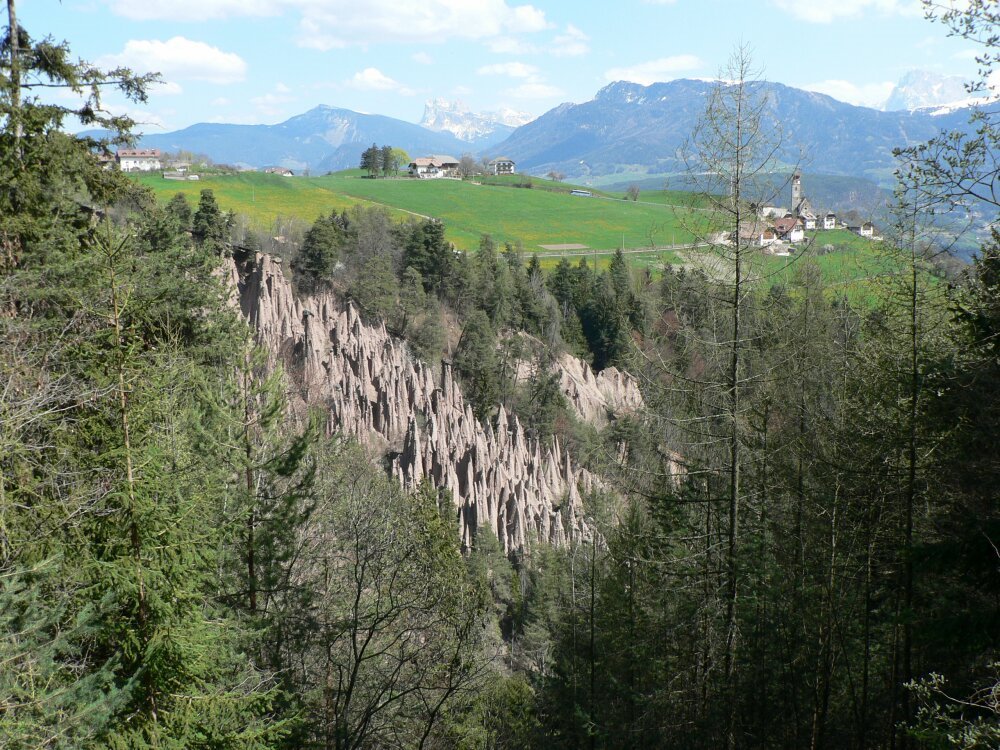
796 190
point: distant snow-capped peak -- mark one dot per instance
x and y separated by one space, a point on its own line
457 119
922 89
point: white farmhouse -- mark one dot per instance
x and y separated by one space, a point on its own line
433 166
423 167
139 159
502 165
867 229
790 229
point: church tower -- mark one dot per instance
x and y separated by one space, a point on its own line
796 190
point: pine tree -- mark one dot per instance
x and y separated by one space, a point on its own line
179 210
319 254
209 226
476 363
388 160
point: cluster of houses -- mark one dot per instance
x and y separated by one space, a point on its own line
147 160
154 160
438 165
775 227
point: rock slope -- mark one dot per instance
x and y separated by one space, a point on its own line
372 387
597 396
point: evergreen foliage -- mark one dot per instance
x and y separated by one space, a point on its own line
476 363
316 260
209 226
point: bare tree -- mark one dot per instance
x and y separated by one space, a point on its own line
710 375
467 166
390 632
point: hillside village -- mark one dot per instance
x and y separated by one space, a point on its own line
778 229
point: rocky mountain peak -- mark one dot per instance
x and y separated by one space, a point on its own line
457 118
625 92
919 89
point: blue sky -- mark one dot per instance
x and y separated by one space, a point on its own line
262 61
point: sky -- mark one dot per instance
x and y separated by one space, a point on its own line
263 61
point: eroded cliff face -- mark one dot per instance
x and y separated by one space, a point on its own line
597 396
372 387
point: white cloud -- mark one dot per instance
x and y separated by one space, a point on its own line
534 90
512 69
533 86
572 43
167 88
327 24
179 58
865 95
373 79
653 71
509 45
221 102
423 58
525 19
272 103
826 11
339 23
192 10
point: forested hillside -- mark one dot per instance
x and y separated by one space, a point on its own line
375 492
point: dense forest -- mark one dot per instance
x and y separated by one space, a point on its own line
795 544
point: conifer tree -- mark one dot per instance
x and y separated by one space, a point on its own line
209 226
476 362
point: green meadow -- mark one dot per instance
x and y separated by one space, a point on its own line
260 197
540 183
534 217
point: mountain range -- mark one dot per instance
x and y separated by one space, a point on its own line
644 128
320 140
627 128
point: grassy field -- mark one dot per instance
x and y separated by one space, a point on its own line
534 217
261 197
674 198
654 260
540 183
852 269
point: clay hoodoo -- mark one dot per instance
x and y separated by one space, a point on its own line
373 388
596 396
